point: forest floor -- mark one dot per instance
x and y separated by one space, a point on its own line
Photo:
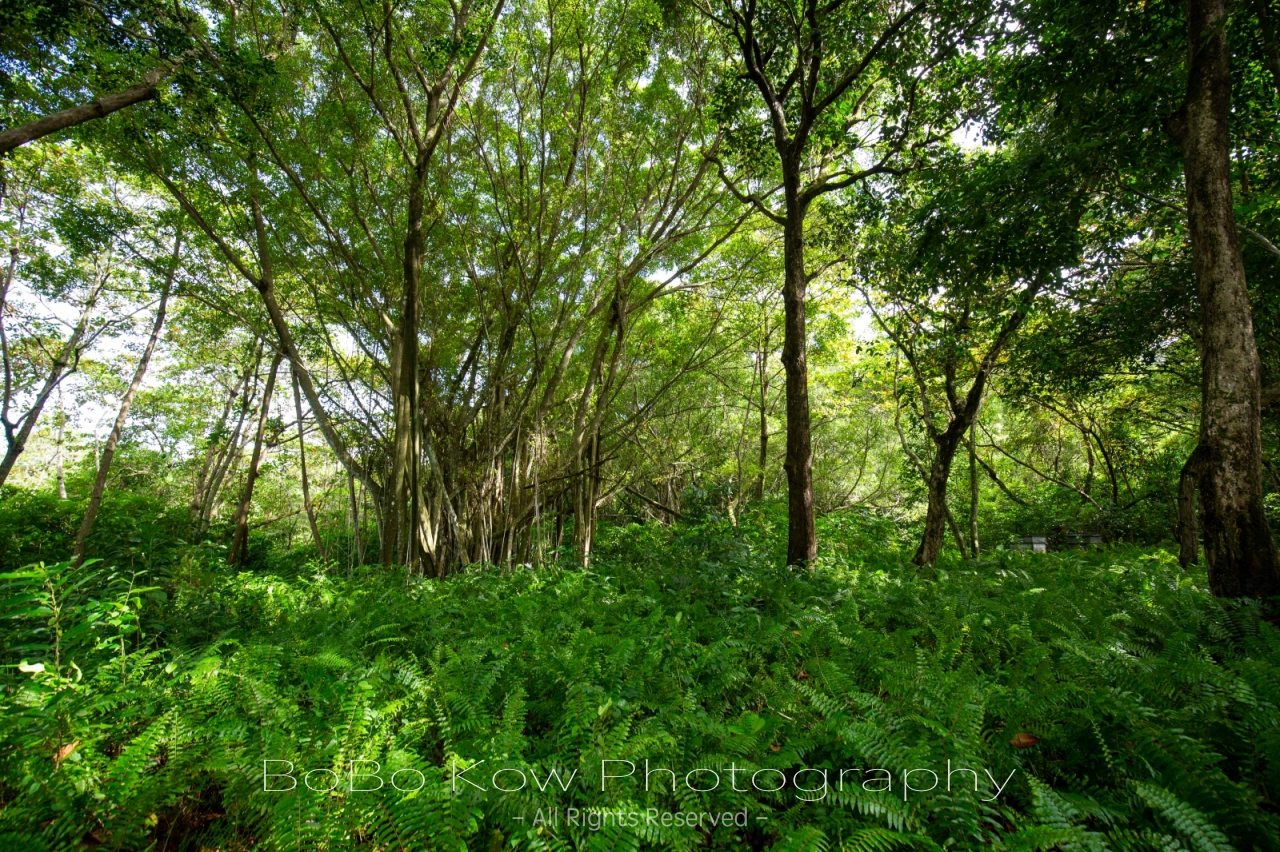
1024 701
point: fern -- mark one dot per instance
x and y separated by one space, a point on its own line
1155 708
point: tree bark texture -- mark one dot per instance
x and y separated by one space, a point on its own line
802 539
935 524
1188 531
1239 550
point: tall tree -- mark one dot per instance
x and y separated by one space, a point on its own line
843 87
1239 548
63 225
968 247
1113 83
117 428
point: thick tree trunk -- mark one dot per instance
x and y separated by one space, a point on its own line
117 428
1239 550
1270 26
240 542
302 464
935 522
403 509
1188 532
802 540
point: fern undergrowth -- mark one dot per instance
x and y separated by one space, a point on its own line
1125 707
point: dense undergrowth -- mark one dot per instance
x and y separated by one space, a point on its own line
1133 711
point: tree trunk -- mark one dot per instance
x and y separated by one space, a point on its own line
196 504
263 282
302 464
403 510
973 488
935 522
356 526
230 451
393 512
1188 533
62 429
1267 22
764 424
16 438
117 428
225 457
802 541
585 495
1239 550
240 542
559 531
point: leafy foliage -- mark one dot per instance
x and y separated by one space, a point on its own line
1152 709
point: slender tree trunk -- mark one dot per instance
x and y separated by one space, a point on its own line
62 429
223 463
586 432
584 509
117 428
536 465
302 464
240 542
1113 478
264 283
559 532
802 540
196 505
764 425
964 417
355 519
1188 533
1239 550
231 450
393 505
973 488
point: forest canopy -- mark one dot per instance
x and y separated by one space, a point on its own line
544 382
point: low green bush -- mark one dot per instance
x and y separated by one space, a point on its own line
1116 705
132 531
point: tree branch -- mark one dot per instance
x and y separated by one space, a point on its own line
102 107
